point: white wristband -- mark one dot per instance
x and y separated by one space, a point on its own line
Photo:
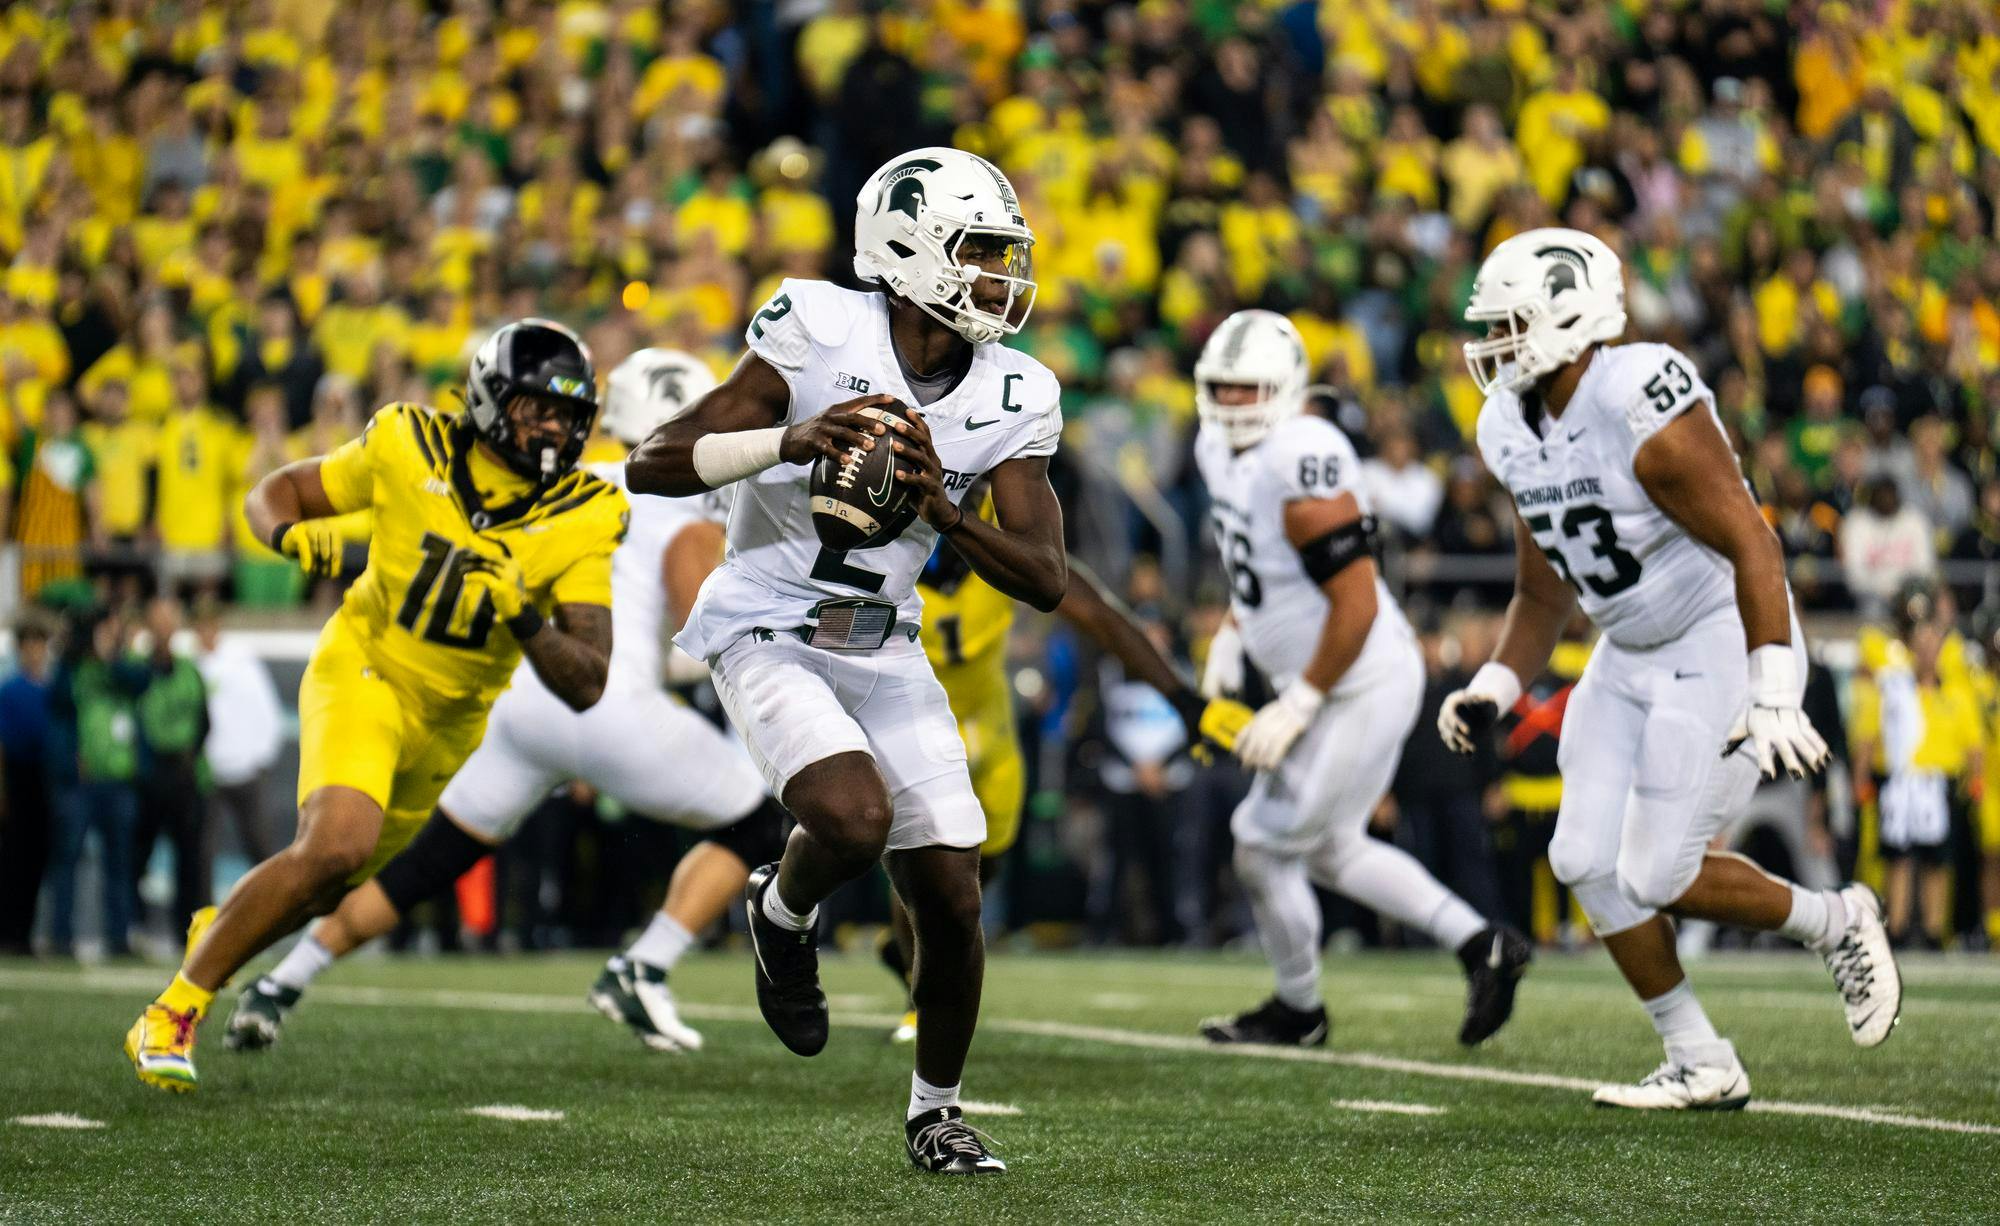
722 458
1774 676
1496 681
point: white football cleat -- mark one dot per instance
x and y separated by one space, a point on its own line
1864 969
636 994
1678 1085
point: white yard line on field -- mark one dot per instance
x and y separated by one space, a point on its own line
515 1114
973 1106
119 982
1385 1108
55 1119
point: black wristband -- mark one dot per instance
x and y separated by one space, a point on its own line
525 624
277 541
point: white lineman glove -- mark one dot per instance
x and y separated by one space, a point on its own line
1277 724
1774 723
1222 672
1470 713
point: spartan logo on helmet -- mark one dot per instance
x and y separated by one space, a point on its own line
902 191
1564 274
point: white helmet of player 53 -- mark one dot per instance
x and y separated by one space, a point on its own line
650 389
1258 349
1545 296
914 215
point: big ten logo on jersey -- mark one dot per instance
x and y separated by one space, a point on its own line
853 383
956 481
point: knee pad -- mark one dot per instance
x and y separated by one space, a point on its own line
758 837
1577 855
1655 881
1605 902
438 856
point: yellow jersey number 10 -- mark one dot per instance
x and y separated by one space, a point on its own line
443 573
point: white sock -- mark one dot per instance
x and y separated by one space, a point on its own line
1390 881
1818 918
783 916
1287 915
926 1097
301 966
1682 1025
663 942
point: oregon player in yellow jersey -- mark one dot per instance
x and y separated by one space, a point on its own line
965 630
481 524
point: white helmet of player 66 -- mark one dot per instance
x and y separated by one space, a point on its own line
650 389
1259 349
910 221
1545 296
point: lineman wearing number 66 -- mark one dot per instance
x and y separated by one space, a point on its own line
1630 501
1308 608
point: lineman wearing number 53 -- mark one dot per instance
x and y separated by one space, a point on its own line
488 545
1630 501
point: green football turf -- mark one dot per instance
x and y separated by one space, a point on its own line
360 1112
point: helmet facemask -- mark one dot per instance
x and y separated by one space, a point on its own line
1245 424
1508 355
950 297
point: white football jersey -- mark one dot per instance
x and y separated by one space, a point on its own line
1640 578
1278 608
832 345
638 582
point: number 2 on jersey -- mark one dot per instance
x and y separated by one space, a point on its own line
831 566
443 572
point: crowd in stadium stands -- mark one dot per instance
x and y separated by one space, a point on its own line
230 229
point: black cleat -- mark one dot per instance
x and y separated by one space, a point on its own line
1274 1023
259 1015
1495 959
788 990
941 1142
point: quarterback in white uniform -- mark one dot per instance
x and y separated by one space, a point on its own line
637 744
1630 500
851 729
1308 608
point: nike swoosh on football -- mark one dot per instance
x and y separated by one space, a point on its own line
881 495
1575 436
980 425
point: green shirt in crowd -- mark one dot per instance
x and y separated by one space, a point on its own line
107 725
173 710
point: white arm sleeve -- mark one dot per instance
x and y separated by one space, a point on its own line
720 459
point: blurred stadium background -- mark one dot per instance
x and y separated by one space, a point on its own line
231 228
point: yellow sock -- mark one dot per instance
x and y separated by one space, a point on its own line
184 997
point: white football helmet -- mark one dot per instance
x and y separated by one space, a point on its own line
910 220
1254 348
650 389
1545 296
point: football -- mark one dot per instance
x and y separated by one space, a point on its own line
857 503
